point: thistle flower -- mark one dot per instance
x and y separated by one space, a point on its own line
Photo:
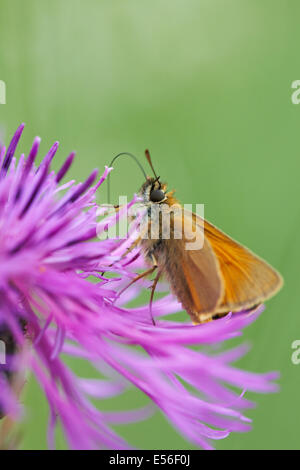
49 310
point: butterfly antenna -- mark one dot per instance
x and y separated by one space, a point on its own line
147 153
112 162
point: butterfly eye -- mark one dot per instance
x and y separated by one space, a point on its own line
157 195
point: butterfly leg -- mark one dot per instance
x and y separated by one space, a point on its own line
132 246
111 206
137 278
157 277
140 276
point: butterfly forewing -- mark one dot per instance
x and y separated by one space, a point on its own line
248 280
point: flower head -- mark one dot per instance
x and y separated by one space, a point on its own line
48 249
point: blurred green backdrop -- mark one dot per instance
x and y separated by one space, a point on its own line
206 85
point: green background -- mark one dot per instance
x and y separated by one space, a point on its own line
206 86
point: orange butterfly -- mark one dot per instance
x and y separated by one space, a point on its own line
219 277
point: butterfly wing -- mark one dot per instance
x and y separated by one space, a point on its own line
248 280
194 275
219 276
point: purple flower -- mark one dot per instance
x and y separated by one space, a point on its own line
49 309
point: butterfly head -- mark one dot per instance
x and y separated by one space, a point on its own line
154 191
